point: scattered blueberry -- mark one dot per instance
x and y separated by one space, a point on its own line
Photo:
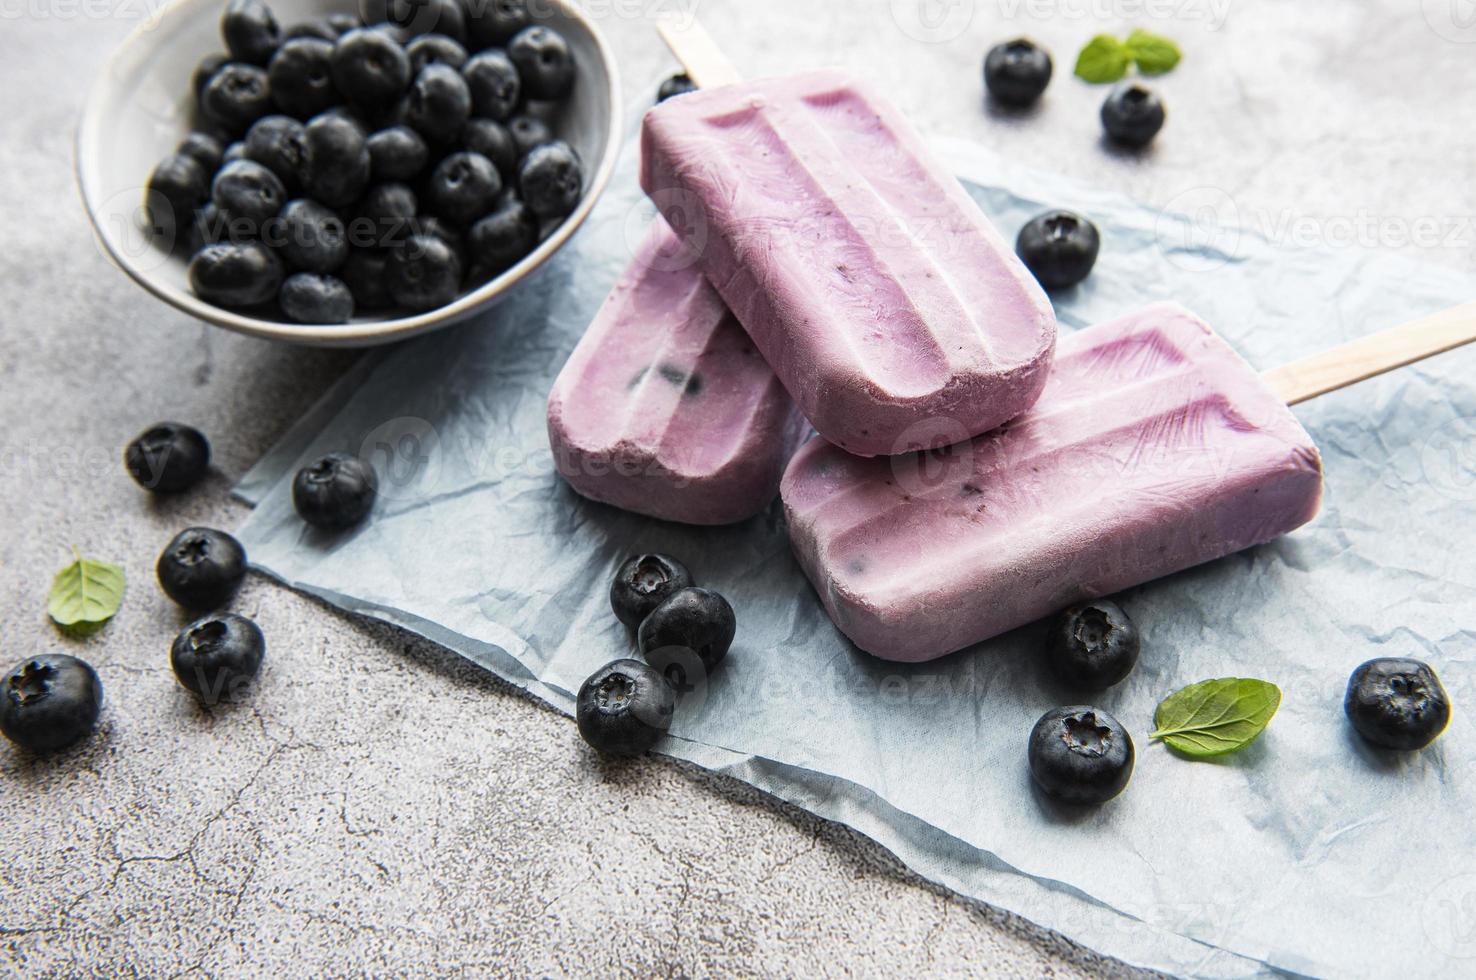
205 149
312 237
301 77
215 658
312 297
438 104
168 457
624 708
678 84
250 31
1080 754
492 140
336 492
49 702
397 153
423 273
501 239
337 169
494 84
177 186
1133 114
1396 703
463 187
236 96
528 133
1059 247
1017 72
690 620
1093 645
201 568
235 274
370 68
494 22
434 49
644 582
544 62
550 179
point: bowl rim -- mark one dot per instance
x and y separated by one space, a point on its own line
86 169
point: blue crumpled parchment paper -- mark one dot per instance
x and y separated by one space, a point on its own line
1305 853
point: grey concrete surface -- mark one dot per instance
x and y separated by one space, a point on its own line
382 807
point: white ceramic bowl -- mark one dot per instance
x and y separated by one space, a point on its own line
141 107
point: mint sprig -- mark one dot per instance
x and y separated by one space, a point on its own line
1216 717
1107 59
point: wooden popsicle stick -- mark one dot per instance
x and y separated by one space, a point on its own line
1375 354
699 54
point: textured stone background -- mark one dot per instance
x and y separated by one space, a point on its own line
381 806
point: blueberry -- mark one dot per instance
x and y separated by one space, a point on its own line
1133 114
250 31
311 238
177 186
678 84
301 77
438 104
493 141
319 30
344 22
419 18
366 275
370 68
215 658
208 227
1017 72
423 273
397 153
1093 645
529 133
204 71
544 62
201 568
690 620
494 84
205 149
1059 247
463 187
49 702
386 213
435 49
500 239
336 492
1396 703
550 179
279 143
311 297
337 169
429 224
236 96
624 708
233 152
168 457
1080 754
235 274
248 191
492 22
644 582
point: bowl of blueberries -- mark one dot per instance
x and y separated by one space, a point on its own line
347 172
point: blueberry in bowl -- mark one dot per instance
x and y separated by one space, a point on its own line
49 702
307 104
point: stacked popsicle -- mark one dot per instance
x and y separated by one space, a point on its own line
896 319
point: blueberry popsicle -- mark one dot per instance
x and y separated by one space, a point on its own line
665 407
872 284
1154 447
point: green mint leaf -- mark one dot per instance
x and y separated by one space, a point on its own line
1154 54
1216 717
1104 59
85 594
